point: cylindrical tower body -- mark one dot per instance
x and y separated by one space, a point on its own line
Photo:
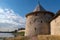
38 23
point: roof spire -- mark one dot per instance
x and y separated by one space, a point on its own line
39 7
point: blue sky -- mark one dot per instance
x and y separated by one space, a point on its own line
22 7
12 12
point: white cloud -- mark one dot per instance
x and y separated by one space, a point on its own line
1 10
9 20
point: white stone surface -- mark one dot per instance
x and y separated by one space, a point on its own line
55 26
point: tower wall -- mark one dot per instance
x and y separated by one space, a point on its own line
38 23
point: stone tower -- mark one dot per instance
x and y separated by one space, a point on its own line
37 22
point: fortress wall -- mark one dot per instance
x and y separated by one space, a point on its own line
55 26
38 24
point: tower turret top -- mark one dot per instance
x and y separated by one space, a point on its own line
39 8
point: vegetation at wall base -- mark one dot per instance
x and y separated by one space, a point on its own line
39 37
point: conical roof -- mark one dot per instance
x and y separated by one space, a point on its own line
58 13
39 8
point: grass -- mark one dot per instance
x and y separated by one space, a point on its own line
39 37
21 33
48 37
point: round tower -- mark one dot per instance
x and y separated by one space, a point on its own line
37 22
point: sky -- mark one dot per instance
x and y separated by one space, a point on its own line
12 12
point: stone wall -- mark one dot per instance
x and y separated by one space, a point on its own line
55 26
